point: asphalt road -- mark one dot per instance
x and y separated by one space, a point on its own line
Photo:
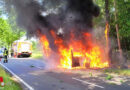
33 72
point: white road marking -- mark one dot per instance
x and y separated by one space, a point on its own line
39 67
21 80
87 82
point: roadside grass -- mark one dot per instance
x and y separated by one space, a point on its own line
109 77
125 72
37 54
10 84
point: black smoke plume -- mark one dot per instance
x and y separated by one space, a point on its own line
46 15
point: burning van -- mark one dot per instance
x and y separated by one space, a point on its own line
22 48
75 53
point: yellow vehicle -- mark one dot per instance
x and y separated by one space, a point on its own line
22 48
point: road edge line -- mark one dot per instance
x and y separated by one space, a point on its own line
17 77
87 82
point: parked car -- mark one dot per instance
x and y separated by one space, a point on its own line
1 54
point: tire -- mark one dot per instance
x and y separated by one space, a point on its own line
19 56
29 55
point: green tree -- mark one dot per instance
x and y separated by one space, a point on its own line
7 35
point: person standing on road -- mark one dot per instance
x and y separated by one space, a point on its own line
5 55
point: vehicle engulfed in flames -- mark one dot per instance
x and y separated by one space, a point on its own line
76 53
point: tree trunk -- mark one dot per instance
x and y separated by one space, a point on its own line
117 29
122 59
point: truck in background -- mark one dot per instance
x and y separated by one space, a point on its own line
22 49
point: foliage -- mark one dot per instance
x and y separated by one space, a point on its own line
109 77
7 35
124 23
4 30
124 18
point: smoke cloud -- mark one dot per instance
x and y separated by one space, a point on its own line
63 15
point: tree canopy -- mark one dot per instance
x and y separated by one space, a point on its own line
7 35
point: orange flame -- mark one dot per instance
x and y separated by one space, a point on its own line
106 35
45 44
88 54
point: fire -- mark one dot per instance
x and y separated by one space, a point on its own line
45 44
106 35
77 53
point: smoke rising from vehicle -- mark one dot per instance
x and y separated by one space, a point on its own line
65 15
53 14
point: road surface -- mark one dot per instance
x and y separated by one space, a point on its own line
34 74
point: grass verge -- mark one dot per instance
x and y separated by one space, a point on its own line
125 72
10 84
